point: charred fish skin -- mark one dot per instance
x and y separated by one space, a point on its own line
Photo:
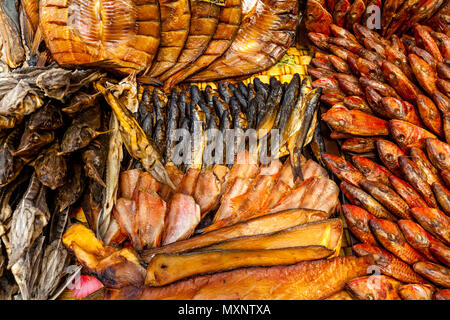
239 59
173 116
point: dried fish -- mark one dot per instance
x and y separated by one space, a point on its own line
51 167
72 190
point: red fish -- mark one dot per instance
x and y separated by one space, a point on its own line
413 176
416 292
417 237
356 12
320 40
428 172
371 170
442 195
434 221
339 64
438 153
399 81
317 18
424 74
389 9
446 126
429 114
374 288
343 169
387 197
391 238
358 223
398 57
340 11
359 145
425 40
355 122
407 192
357 103
366 68
342 33
443 294
319 73
408 135
389 264
389 153
441 101
437 274
382 88
441 252
443 42
393 108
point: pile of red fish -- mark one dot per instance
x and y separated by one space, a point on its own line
151 214
388 95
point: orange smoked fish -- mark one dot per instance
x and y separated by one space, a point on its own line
358 223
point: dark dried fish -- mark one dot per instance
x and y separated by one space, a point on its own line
51 167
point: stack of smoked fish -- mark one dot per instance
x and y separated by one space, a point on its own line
389 101
269 231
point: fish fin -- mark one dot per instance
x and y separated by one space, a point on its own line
104 64
296 164
147 80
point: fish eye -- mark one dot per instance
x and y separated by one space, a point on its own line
341 123
441 156
342 166
391 236
392 75
365 170
360 225
398 61
370 297
389 157
419 238
401 137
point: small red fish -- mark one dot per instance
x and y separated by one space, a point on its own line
339 64
443 42
443 86
424 74
438 153
434 221
424 55
391 238
436 273
349 84
399 81
429 114
319 73
442 195
356 103
399 58
427 171
443 294
355 122
317 18
332 99
412 174
397 44
441 252
408 135
387 197
328 85
323 62
389 264
342 33
356 12
359 145
366 68
441 101
347 44
377 287
443 71
416 292
382 88
362 33
389 9
358 223
393 108
341 52
407 192
425 40
343 169
417 237
371 170
389 153
340 11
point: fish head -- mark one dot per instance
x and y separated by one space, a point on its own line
76 138
390 71
357 216
338 117
365 165
372 288
402 133
437 150
380 256
386 229
6 164
413 232
32 141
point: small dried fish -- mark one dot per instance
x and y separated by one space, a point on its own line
51 168
32 141
72 190
49 117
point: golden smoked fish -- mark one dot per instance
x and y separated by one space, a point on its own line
267 31
126 32
229 21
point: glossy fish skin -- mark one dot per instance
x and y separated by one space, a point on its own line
332 99
434 221
320 40
49 117
425 40
393 108
362 32
408 135
339 64
438 152
443 294
319 73
416 292
407 192
359 145
380 87
418 238
390 236
271 26
32 141
389 8
371 170
358 222
399 58
352 121
442 195
441 252
328 85
173 116
387 197
389 153
80 102
429 114
360 198
356 103
443 71
323 63
446 126
365 68
424 74
348 44
443 86
426 169
51 168
289 99
317 18
356 12
349 84
424 55
340 12
412 175
437 274
441 101
389 264
343 169
377 287
398 80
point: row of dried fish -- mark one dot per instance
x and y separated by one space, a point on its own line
235 108
53 159
164 41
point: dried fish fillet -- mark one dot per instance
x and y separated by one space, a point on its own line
267 31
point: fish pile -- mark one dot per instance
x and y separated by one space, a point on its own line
388 100
266 227
220 122
52 160
170 41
